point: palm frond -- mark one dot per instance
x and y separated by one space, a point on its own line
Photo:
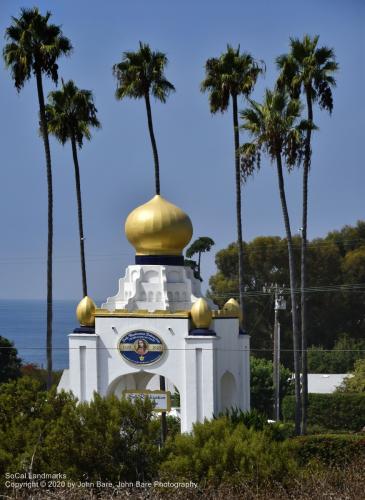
232 74
34 45
142 72
71 113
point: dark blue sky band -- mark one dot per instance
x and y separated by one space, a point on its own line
164 260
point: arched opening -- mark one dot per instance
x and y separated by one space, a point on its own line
144 381
150 277
228 391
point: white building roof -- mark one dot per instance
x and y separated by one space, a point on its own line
325 383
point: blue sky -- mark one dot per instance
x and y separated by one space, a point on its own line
196 148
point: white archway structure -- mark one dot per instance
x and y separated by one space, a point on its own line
146 329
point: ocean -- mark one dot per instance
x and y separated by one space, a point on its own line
24 323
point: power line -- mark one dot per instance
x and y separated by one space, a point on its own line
353 288
116 256
249 349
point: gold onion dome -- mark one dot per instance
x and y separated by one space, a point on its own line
233 307
201 314
158 228
85 312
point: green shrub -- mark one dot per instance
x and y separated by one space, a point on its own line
173 425
106 439
252 419
257 421
262 385
218 451
329 449
337 411
40 374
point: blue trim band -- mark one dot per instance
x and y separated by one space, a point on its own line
168 260
202 332
84 329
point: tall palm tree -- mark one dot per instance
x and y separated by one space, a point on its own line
139 75
307 69
227 77
276 130
70 113
33 49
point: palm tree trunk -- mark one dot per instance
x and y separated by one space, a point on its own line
303 270
153 142
157 183
44 130
238 205
294 311
79 213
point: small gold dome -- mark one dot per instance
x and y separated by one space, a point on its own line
158 228
85 312
201 314
233 307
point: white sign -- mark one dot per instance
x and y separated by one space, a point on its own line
161 399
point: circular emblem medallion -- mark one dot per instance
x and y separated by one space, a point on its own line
141 347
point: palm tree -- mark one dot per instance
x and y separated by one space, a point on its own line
307 69
276 131
139 75
34 48
70 113
231 75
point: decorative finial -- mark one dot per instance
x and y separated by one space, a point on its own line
233 307
201 314
85 312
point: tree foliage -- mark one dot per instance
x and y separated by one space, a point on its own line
34 46
141 73
334 411
262 385
310 68
70 113
341 359
332 310
199 246
356 382
9 361
234 73
275 127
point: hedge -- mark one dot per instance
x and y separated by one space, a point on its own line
337 411
329 449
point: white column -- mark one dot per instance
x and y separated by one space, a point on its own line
83 350
199 398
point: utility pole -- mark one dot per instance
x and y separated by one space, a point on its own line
279 304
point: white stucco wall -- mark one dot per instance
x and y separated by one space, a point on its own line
210 372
